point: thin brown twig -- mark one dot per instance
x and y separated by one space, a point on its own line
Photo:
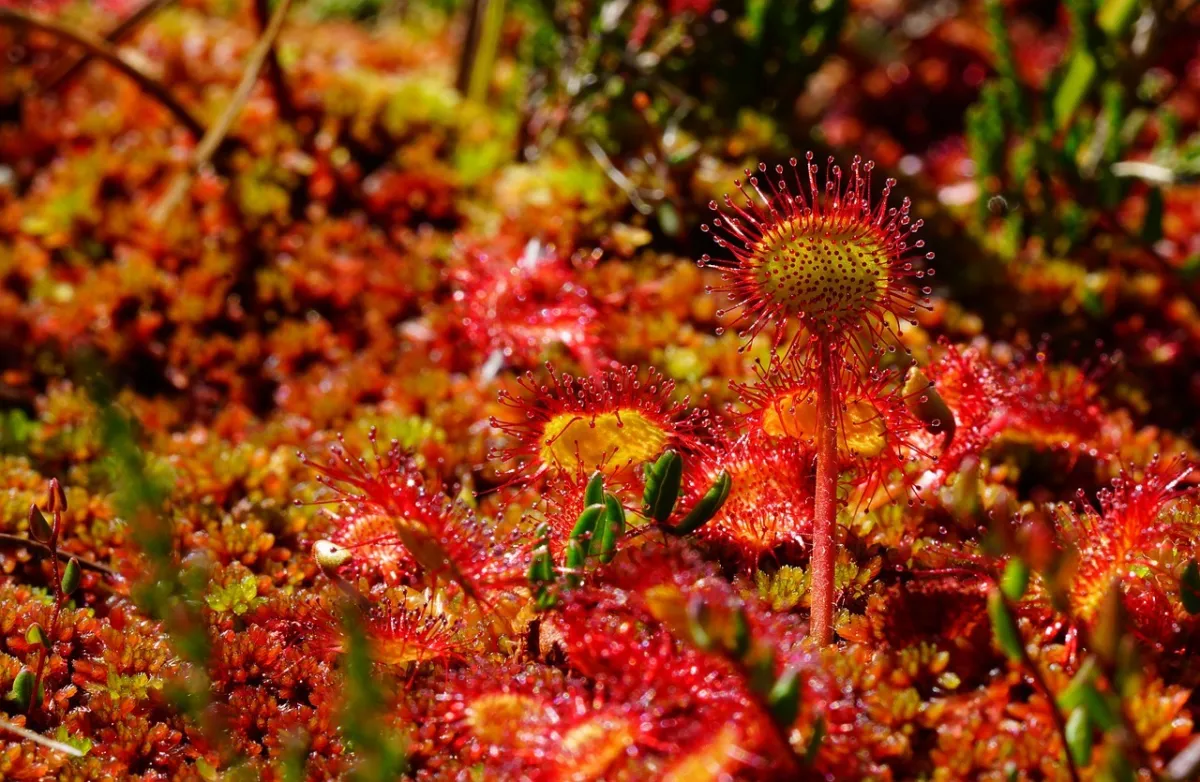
220 129
470 45
9 539
275 72
101 49
69 68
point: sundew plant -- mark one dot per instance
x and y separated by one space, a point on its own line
681 390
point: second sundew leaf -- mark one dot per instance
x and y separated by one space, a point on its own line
594 493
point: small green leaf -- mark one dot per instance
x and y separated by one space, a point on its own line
1189 588
1005 627
613 527
1072 696
1081 73
22 689
814 741
1079 737
541 568
706 508
34 635
1115 16
71 576
39 528
784 698
586 525
575 559
1015 580
594 493
662 486
741 633
1099 709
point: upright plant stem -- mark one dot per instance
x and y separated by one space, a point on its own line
37 701
825 510
216 133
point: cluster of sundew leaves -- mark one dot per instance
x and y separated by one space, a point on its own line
314 288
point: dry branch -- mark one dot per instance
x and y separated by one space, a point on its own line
101 49
69 68
262 12
216 134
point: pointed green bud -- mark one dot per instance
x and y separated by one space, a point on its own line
541 568
1079 737
22 689
541 574
1072 695
39 529
662 486
706 508
586 524
594 493
814 741
57 500
1100 709
1015 580
576 554
34 635
784 698
71 576
1008 637
613 529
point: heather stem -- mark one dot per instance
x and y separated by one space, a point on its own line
825 510
48 640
